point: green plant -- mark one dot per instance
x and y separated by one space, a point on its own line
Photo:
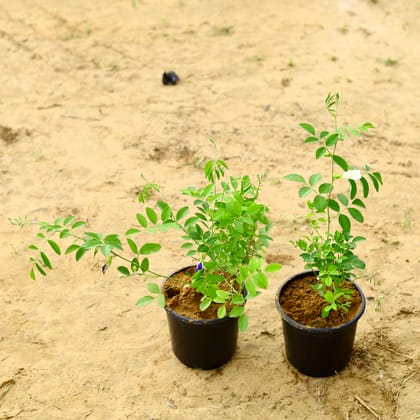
225 230
390 62
329 249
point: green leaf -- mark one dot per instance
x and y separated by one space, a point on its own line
222 294
340 162
311 139
243 322
368 125
91 244
123 270
162 205
149 248
54 246
190 221
251 289
328 281
164 227
314 179
238 299
344 222
153 288
325 311
365 186
181 213
308 127
236 312
357 263
132 245
78 224
105 250
144 301
132 231
144 266
39 268
303 245
333 205
324 134
254 264
32 274
320 203
295 178
45 260
151 214
320 152
135 265
353 189
359 239
304 191
273 267
343 199
71 249
221 312
356 214
94 235
374 181
69 220
205 303
114 241
261 280
161 300
59 221
326 188
141 219
166 214
80 252
65 233
378 177
353 131
331 140
33 247
202 248
359 203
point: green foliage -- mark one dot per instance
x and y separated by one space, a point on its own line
226 231
333 205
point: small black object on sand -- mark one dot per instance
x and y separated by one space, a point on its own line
170 78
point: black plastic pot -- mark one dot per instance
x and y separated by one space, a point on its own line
204 344
318 352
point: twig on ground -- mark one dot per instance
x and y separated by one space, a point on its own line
402 385
7 385
371 410
11 416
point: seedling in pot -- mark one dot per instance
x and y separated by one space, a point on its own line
225 231
334 201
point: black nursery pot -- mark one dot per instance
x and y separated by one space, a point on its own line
204 344
318 352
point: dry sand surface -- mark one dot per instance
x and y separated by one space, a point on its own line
83 113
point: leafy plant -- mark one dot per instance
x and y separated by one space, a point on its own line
329 249
225 231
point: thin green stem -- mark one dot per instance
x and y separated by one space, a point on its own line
115 254
332 167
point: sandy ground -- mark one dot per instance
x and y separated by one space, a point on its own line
83 113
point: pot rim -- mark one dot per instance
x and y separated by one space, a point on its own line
316 330
184 318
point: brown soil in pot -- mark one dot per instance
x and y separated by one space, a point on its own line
304 305
185 300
